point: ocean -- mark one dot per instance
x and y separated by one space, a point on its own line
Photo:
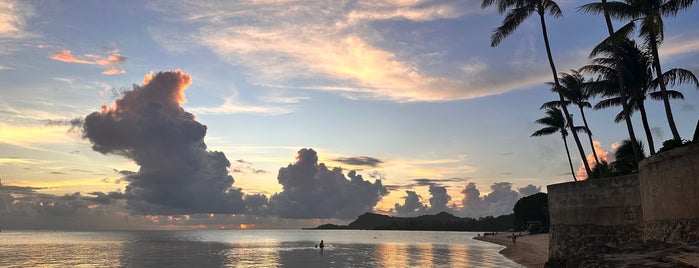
247 248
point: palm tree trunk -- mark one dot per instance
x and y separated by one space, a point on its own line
646 127
622 92
570 162
589 135
663 88
569 119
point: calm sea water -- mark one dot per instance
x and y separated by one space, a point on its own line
247 248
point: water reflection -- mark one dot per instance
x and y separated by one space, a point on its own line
286 248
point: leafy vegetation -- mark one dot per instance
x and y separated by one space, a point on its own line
532 209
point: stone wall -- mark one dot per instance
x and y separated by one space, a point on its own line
589 215
659 206
670 196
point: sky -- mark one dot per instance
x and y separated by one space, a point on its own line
286 114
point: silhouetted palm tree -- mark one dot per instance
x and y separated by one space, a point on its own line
625 163
621 82
573 90
637 66
554 121
650 13
517 12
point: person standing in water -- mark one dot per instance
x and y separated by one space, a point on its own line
321 245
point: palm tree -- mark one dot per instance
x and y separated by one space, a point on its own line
555 122
573 87
519 11
650 13
638 71
621 82
625 163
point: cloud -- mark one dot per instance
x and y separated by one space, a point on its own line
602 155
311 190
106 198
13 15
112 59
328 47
528 190
232 106
113 71
177 174
678 46
75 124
360 161
439 199
471 202
499 201
411 206
246 167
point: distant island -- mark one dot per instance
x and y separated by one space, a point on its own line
442 221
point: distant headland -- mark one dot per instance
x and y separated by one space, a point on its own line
442 221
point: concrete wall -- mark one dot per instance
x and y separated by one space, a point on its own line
670 196
588 216
661 204
607 201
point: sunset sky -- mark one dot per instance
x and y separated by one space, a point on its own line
408 92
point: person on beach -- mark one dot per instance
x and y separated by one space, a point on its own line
514 239
321 245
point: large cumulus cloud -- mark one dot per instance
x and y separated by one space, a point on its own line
411 206
177 174
499 201
311 190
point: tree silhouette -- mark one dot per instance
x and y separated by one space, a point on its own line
650 14
553 122
574 91
517 12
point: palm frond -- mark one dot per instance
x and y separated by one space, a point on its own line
617 10
610 102
514 18
552 8
672 7
611 43
672 94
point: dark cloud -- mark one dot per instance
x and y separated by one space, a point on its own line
256 204
439 199
57 173
311 190
359 161
498 202
246 167
106 198
74 124
411 206
124 172
528 190
471 203
177 174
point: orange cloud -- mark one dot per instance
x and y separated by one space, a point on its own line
113 58
66 56
602 155
113 71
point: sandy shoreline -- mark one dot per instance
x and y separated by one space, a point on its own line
529 250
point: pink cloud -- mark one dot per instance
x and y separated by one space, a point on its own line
66 56
113 71
112 59
602 155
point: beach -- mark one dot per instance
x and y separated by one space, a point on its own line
529 250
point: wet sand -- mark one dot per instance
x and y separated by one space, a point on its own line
529 250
